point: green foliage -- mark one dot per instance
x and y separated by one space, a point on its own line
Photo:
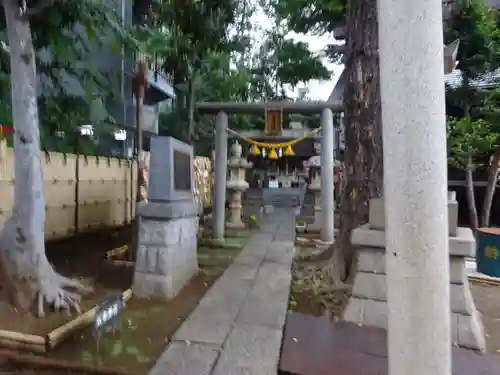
210 44
281 63
221 81
182 33
468 139
297 64
475 133
287 62
489 110
320 16
477 28
473 137
317 17
68 36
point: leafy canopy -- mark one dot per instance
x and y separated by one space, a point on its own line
477 27
68 36
469 140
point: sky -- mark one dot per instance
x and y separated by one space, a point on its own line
318 90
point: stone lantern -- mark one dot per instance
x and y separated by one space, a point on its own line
314 166
236 184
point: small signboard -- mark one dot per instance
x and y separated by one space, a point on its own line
108 312
274 122
274 184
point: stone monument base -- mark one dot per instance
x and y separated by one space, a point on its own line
315 226
233 225
268 209
167 248
368 302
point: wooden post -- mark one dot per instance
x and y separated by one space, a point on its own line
140 84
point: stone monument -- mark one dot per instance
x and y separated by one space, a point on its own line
368 302
314 165
236 184
168 224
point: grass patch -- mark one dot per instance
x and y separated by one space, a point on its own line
146 326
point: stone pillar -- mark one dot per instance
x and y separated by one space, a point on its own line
327 185
314 166
368 303
220 172
415 186
236 184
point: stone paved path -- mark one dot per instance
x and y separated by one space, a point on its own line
237 327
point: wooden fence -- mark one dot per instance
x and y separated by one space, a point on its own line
84 193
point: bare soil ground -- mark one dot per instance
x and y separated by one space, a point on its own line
487 298
80 258
308 298
144 328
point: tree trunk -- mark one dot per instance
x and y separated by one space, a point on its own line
471 202
493 170
191 108
24 266
363 127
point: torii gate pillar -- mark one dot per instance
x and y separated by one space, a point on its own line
327 184
415 186
220 174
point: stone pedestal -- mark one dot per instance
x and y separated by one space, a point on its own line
314 165
315 226
268 209
167 249
236 185
368 302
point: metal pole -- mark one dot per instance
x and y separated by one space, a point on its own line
415 186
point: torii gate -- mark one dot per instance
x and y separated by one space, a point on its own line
326 110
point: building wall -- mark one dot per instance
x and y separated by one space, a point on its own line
106 60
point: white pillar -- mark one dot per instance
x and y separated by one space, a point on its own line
327 185
415 186
220 175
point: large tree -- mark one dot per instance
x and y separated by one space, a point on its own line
282 63
363 129
27 274
363 165
184 34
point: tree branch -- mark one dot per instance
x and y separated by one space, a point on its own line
41 5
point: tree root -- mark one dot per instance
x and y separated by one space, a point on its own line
29 277
54 290
328 292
